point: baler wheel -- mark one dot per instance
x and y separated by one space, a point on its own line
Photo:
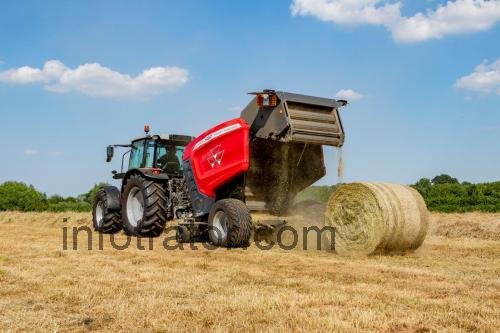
229 224
105 220
144 206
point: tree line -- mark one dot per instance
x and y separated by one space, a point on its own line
442 193
446 194
18 196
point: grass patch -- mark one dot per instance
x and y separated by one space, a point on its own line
5 259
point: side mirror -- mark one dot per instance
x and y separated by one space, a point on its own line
110 151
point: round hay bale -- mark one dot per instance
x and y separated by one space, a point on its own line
376 217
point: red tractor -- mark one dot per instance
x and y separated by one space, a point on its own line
255 163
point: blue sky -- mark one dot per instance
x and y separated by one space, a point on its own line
424 76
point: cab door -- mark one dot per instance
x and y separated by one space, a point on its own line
137 155
149 158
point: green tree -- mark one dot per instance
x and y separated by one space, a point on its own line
423 185
54 199
21 197
65 206
90 195
444 179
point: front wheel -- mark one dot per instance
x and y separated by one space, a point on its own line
229 223
144 207
104 219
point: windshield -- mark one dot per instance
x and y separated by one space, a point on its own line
169 157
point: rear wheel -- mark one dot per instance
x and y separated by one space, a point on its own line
104 219
144 207
229 223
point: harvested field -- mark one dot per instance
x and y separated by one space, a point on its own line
469 225
449 284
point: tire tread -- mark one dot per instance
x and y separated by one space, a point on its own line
240 229
155 207
112 222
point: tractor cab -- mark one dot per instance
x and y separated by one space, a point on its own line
156 152
153 154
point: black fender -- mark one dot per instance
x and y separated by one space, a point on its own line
146 173
112 197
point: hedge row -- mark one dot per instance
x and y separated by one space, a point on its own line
461 197
17 196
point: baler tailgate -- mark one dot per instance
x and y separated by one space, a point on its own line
314 124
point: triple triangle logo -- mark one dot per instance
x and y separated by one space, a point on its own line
216 156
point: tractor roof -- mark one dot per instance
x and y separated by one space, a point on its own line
181 140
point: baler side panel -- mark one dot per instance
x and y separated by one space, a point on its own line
219 155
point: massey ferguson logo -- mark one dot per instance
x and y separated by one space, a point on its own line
215 158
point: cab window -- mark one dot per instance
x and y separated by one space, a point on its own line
169 158
136 155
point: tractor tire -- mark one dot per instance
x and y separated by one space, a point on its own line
229 224
144 207
105 220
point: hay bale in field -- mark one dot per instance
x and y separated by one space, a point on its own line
376 217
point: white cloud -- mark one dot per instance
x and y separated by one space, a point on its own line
348 94
455 17
30 151
485 78
96 80
348 12
26 75
459 17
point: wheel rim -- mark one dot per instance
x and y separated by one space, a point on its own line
219 226
135 206
99 214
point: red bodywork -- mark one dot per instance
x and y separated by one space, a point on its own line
219 154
